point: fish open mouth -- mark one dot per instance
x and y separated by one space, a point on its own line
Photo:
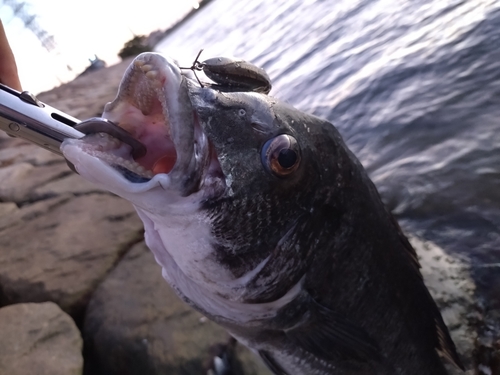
151 129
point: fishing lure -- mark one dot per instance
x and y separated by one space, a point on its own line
232 75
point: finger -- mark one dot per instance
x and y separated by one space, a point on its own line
8 67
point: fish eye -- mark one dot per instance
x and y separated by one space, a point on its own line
281 155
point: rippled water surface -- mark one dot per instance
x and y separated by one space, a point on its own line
413 87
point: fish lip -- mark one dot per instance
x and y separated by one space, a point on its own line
153 87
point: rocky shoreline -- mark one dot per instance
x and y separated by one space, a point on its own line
80 293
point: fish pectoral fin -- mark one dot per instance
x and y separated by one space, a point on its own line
271 363
329 335
446 346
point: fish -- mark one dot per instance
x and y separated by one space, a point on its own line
264 221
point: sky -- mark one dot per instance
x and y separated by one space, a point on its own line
81 29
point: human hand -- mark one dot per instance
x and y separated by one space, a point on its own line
8 67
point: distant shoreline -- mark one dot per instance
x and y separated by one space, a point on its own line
167 32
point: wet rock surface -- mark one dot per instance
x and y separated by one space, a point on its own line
39 338
66 241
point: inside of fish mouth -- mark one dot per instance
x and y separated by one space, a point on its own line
139 121
105 140
141 124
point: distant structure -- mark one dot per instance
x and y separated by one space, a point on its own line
19 10
95 64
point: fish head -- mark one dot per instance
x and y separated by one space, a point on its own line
258 150
241 170
199 141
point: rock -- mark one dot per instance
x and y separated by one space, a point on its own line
7 142
39 338
7 209
17 216
73 184
27 153
59 250
18 180
136 324
450 283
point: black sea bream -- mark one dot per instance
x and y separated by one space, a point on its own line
264 221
